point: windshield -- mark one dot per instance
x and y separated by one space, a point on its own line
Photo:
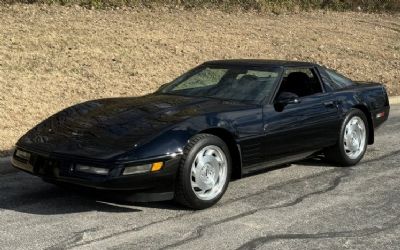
244 83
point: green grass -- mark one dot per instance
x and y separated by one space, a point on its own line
227 5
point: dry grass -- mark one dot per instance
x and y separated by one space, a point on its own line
52 57
258 5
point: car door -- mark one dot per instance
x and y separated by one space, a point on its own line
309 123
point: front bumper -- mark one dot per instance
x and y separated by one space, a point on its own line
150 186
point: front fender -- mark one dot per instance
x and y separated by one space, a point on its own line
172 141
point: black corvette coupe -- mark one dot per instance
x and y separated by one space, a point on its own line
221 119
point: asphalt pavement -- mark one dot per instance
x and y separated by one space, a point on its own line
310 204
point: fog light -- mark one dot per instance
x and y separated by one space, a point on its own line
91 170
143 168
137 169
22 154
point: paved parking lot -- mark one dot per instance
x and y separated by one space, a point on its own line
310 204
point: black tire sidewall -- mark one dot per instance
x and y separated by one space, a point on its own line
190 196
347 160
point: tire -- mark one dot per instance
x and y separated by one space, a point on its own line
345 152
206 164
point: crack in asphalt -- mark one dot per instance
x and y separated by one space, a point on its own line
275 186
199 231
257 242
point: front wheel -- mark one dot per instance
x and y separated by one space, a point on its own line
352 141
204 173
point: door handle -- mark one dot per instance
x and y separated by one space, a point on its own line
330 104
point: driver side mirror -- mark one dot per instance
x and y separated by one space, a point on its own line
284 99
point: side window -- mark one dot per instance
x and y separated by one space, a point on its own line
339 81
300 81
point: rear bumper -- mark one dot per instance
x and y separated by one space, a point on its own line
150 186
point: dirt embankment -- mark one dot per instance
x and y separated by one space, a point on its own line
53 57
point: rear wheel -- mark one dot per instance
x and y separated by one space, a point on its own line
352 141
204 172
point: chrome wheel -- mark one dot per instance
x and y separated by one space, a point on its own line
208 174
355 136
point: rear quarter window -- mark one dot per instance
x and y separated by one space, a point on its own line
338 81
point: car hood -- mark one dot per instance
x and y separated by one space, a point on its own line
102 129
